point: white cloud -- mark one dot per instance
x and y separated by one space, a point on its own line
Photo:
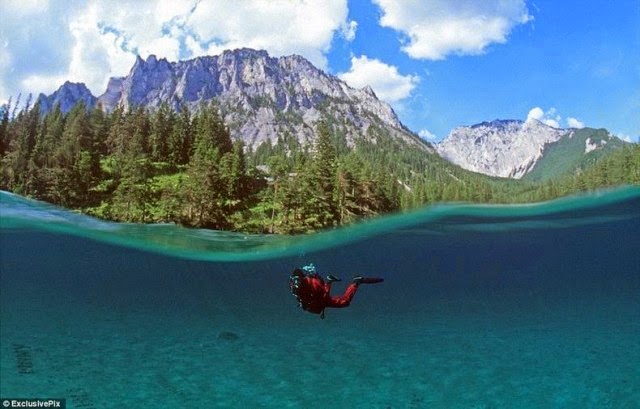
437 28
348 30
535 113
168 10
388 84
549 118
96 53
44 83
552 122
552 118
278 26
628 138
22 8
5 65
427 135
575 123
43 41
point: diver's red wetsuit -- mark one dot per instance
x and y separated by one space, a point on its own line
314 295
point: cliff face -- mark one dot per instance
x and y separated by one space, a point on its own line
68 95
500 148
260 97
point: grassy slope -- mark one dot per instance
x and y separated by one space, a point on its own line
568 154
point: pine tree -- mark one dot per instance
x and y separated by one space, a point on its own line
4 125
77 158
181 139
321 200
140 130
233 171
43 166
203 190
119 135
210 130
134 197
162 123
349 188
274 200
51 136
27 128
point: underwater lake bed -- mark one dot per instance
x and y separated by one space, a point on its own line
482 307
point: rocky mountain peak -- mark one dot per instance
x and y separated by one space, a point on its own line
498 124
504 148
111 97
260 97
369 91
68 95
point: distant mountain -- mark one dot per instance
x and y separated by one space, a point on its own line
519 149
68 95
260 97
500 148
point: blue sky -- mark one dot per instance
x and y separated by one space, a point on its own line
439 63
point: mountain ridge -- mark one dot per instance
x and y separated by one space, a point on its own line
260 97
582 149
513 148
263 98
67 96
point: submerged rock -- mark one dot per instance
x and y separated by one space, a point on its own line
228 336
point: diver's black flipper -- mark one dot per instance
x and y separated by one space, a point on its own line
368 280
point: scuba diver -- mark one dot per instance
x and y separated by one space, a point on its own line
313 293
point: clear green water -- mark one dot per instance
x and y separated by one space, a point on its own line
483 307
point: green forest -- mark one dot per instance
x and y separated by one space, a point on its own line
183 167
